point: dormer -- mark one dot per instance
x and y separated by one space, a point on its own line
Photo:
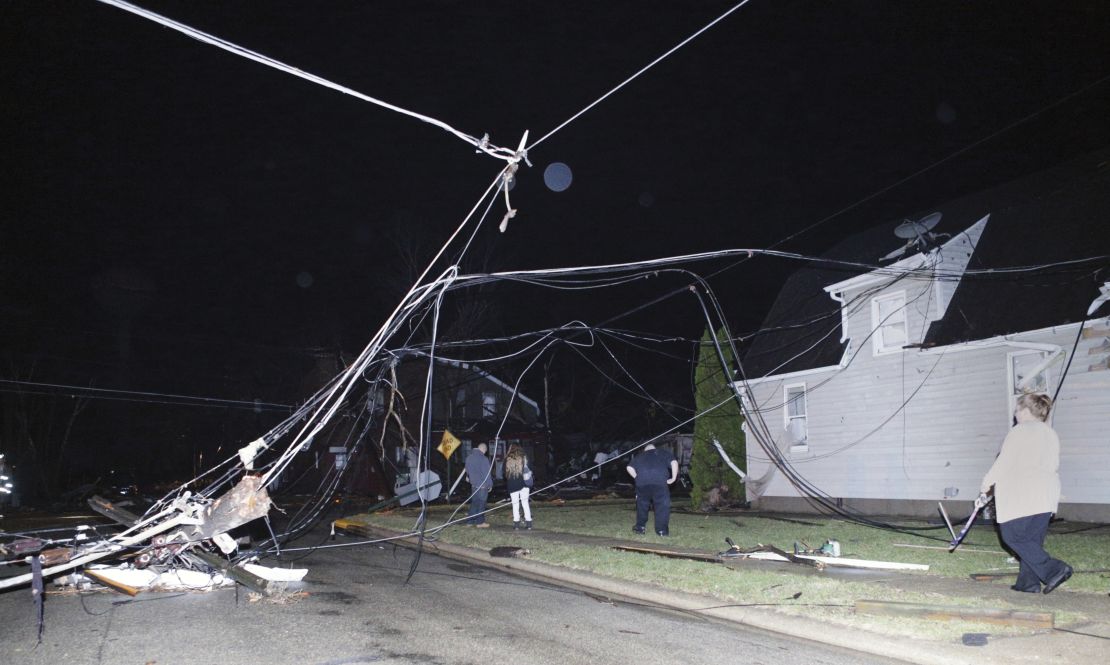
901 299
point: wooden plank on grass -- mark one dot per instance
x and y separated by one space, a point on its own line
842 562
955 613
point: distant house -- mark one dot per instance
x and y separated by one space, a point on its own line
476 406
893 389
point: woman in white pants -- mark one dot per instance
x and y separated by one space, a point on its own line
518 480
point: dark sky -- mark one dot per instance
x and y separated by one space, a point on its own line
214 203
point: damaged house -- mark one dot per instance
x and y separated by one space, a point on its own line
893 389
473 404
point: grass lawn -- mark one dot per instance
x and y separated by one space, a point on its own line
826 597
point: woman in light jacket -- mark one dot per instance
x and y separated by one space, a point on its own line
518 480
1026 482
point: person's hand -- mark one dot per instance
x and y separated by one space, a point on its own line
982 500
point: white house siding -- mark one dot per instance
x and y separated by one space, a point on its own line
949 432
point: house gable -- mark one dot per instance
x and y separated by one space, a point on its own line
891 308
1040 220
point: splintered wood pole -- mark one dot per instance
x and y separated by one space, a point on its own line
956 613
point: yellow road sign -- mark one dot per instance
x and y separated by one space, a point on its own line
448 444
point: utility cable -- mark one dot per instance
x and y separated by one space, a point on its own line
637 74
482 145
207 401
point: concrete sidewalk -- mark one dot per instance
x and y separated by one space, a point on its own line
1050 646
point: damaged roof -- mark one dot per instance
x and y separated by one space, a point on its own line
1049 217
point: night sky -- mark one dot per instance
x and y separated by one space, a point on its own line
180 220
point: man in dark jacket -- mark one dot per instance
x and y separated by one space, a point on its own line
654 470
478 472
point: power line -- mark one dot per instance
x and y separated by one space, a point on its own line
110 393
637 74
482 144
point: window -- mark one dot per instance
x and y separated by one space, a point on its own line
1028 374
795 417
460 403
489 405
888 320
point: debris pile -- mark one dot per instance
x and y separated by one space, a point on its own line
182 546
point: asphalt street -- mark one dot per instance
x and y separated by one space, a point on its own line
359 609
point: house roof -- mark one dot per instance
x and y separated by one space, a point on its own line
492 379
1056 215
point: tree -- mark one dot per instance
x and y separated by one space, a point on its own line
38 430
708 472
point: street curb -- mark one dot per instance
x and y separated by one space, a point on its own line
905 649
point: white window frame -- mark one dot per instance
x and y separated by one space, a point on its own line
787 418
489 404
1011 397
878 343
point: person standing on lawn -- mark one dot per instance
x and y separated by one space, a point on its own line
480 474
518 480
654 470
1026 482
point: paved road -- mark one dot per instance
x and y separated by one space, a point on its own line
360 611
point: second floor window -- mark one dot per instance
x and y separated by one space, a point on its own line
888 320
489 405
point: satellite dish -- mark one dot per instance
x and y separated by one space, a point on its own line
916 233
912 230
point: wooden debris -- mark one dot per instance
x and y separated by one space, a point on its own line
774 552
865 563
243 503
112 583
112 511
756 552
244 577
670 554
990 577
955 613
276 574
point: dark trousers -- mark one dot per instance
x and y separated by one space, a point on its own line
477 506
658 496
1025 536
